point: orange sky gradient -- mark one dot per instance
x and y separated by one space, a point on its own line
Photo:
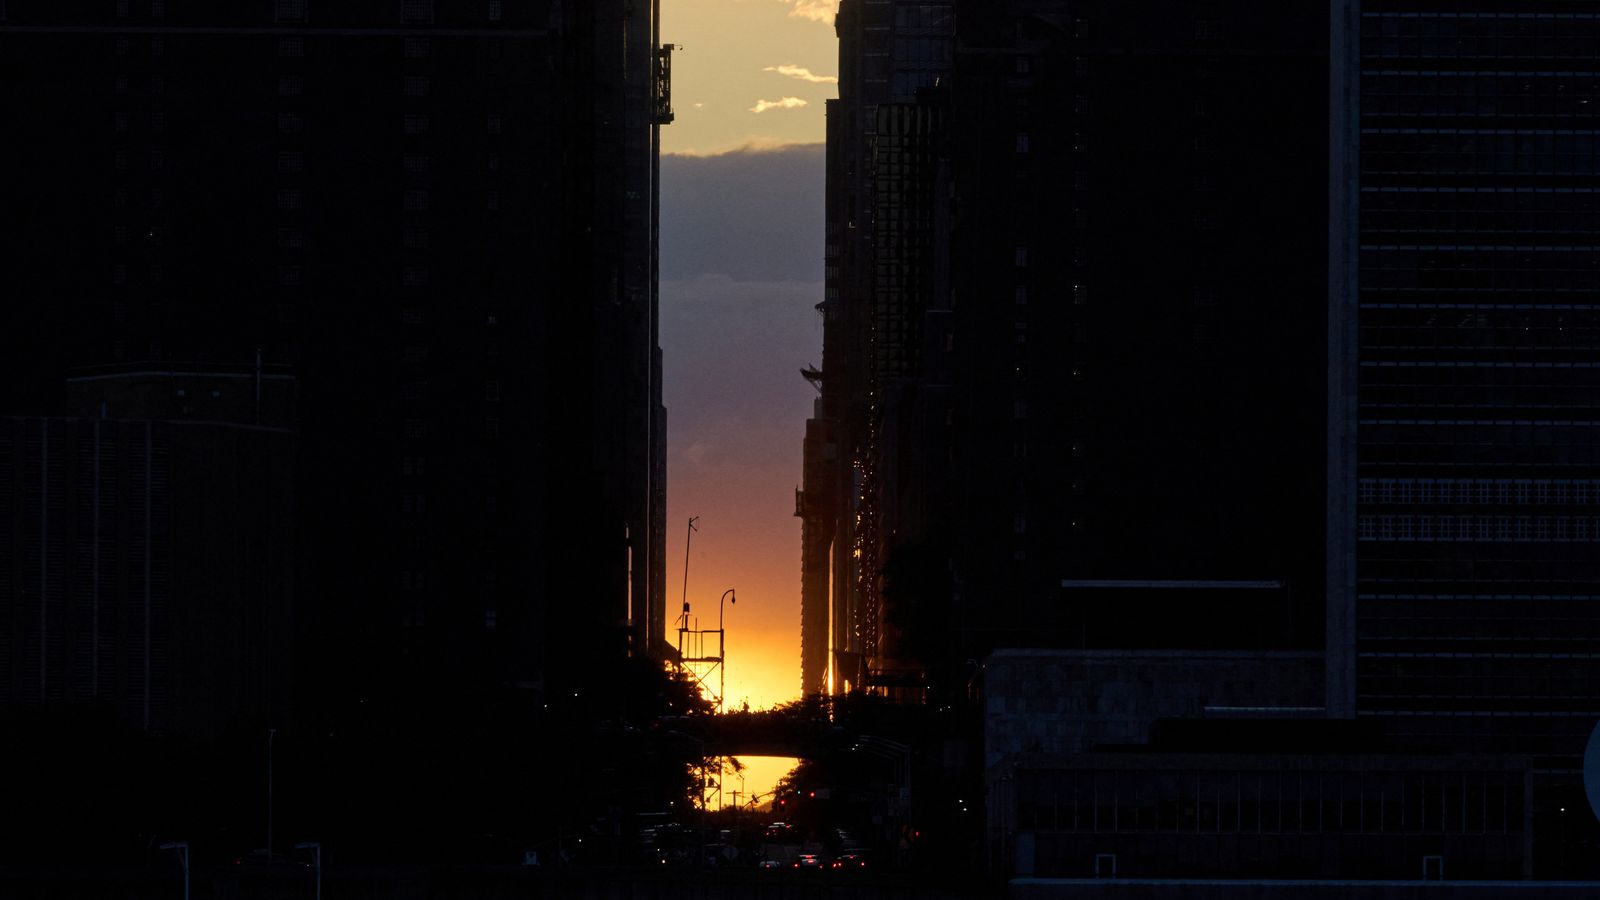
736 404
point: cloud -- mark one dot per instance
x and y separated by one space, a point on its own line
752 214
802 73
786 103
816 10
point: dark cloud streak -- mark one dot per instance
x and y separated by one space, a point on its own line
750 214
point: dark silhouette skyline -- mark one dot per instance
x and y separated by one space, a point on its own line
1196 488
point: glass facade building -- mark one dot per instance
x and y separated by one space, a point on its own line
1478 478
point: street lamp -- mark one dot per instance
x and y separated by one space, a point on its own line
722 651
316 860
183 857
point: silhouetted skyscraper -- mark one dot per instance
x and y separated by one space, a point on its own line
1075 330
440 219
1468 608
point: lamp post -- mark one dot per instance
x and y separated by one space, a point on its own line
271 733
183 857
316 860
722 651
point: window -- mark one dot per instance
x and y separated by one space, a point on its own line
416 12
292 47
491 391
418 48
290 11
1022 257
1022 295
411 315
416 201
414 276
291 162
415 237
493 123
494 10
416 86
289 123
1019 409
1022 142
291 85
291 199
416 163
415 123
492 201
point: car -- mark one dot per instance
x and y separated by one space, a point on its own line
769 864
808 861
847 861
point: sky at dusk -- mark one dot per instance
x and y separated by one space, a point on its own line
741 274
749 72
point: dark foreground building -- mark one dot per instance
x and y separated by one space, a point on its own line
1074 351
1464 261
149 562
438 218
330 334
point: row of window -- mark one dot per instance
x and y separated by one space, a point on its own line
1479 529
1272 802
1501 491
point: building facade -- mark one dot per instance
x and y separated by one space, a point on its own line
1050 321
1465 176
439 218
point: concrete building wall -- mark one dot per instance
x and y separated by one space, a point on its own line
1072 701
